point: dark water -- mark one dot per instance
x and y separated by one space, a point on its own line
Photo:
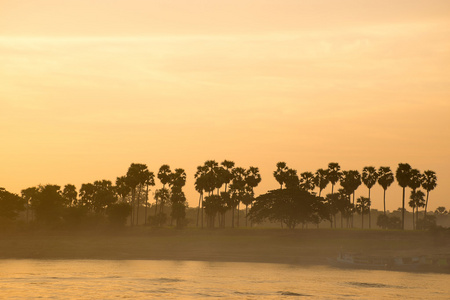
144 279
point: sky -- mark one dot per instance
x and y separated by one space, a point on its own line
88 87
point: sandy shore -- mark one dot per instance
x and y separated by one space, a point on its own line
309 247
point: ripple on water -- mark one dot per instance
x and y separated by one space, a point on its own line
373 285
287 293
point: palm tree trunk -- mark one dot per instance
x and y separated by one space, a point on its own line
413 220
239 204
384 201
403 210
146 204
246 214
362 218
198 210
369 209
426 205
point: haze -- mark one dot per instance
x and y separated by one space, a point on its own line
88 87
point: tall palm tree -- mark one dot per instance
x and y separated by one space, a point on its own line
237 189
385 179
350 181
362 206
252 179
403 175
149 180
321 179
369 177
200 187
334 174
415 179
429 182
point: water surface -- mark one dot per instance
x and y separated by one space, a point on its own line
146 279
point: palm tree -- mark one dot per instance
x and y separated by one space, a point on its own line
164 175
252 179
200 187
362 206
416 200
350 181
280 173
333 174
122 189
403 175
307 181
429 182
321 179
369 177
149 179
228 165
415 179
385 179
237 189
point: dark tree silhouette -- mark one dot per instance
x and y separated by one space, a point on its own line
321 179
252 180
385 179
149 180
290 206
417 199
200 187
350 181
280 173
362 207
429 182
136 176
307 181
369 177
238 188
10 204
177 198
122 189
70 194
334 174
403 175
28 194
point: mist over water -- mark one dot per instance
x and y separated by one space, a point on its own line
146 279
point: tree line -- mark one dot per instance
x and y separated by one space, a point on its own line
223 188
298 191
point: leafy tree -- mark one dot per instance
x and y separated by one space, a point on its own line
429 182
28 195
385 179
290 206
321 179
440 211
334 174
87 193
122 189
362 207
70 194
164 174
403 175
136 177
369 177
48 204
104 195
10 204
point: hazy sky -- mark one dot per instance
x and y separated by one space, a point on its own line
89 86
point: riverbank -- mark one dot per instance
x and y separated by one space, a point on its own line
307 247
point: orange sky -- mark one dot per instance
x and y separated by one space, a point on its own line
89 86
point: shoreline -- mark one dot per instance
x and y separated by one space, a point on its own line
298 247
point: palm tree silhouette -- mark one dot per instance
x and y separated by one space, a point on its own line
333 174
252 179
307 181
321 179
385 179
362 206
280 173
429 182
350 181
403 175
416 200
369 177
200 187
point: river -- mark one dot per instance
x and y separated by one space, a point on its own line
146 279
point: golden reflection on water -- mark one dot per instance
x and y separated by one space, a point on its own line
143 279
